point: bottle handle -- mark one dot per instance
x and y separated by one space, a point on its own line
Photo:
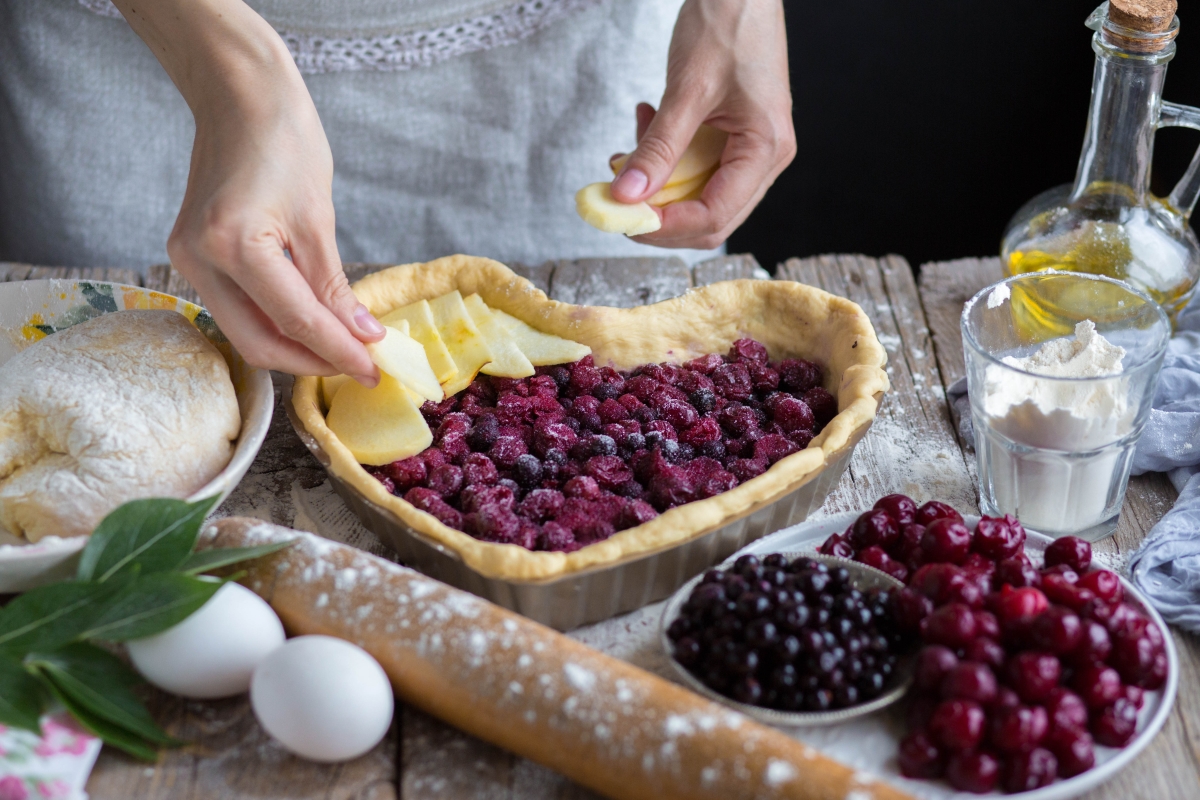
1183 197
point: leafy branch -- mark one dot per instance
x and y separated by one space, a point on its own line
138 575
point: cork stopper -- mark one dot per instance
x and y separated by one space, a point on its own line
1147 16
1141 26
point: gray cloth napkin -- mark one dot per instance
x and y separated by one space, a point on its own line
1166 568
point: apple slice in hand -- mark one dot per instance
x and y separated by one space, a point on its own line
403 357
700 159
463 340
542 349
380 425
508 360
600 209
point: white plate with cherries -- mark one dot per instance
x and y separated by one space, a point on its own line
1036 671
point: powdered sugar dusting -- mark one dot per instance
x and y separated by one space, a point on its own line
780 772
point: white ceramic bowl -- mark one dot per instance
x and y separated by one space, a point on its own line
31 309
869 743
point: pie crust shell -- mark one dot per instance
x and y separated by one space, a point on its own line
792 319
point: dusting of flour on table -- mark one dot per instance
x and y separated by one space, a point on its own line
1043 406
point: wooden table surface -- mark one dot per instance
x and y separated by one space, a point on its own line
912 448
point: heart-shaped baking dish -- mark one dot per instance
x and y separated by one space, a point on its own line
791 319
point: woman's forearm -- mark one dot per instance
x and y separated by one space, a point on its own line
215 51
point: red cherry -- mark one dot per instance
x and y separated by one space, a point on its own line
1134 694
957 724
952 625
1019 729
1076 553
875 556
836 545
1094 646
1135 648
1057 629
975 563
1033 675
1006 698
1020 605
938 581
934 662
919 711
935 509
998 538
908 608
987 624
1104 584
1016 572
946 540
909 543
1118 617
899 507
976 772
1024 772
874 527
1157 676
1074 751
1060 590
1097 685
1116 725
985 651
919 757
970 680
1068 574
1066 710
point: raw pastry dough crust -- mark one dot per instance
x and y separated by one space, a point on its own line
791 319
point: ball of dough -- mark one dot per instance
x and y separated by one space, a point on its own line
127 405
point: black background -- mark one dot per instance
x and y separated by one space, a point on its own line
922 126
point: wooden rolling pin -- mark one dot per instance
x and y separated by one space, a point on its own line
606 724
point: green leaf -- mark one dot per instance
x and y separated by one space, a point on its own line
157 534
112 734
20 697
101 683
51 616
150 604
205 560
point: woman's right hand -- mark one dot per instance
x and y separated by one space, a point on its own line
255 234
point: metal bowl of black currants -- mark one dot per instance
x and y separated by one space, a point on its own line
789 639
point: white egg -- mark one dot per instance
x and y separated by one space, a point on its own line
324 699
213 652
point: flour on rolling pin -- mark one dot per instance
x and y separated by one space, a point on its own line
510 681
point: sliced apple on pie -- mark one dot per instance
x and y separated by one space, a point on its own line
508 361
380 425
419 317
542 349
462 338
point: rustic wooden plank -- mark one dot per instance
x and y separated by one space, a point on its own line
728 268
540 275
439 761
10 271
164 278
229 755
1170 767
619 282
911 447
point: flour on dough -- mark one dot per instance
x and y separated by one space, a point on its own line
126 405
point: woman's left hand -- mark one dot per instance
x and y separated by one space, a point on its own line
727 68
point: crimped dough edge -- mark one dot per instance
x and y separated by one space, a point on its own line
792 319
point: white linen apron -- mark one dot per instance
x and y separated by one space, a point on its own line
455 125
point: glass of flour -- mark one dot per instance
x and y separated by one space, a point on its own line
1061 372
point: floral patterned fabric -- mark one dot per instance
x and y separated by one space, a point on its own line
53 766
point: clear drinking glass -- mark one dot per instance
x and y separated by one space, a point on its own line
1055 452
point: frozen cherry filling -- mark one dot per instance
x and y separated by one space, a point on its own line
578 452
1022 670
794 636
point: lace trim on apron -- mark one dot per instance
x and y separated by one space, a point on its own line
390 52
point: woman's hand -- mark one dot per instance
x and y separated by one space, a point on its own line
255 233
728 68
